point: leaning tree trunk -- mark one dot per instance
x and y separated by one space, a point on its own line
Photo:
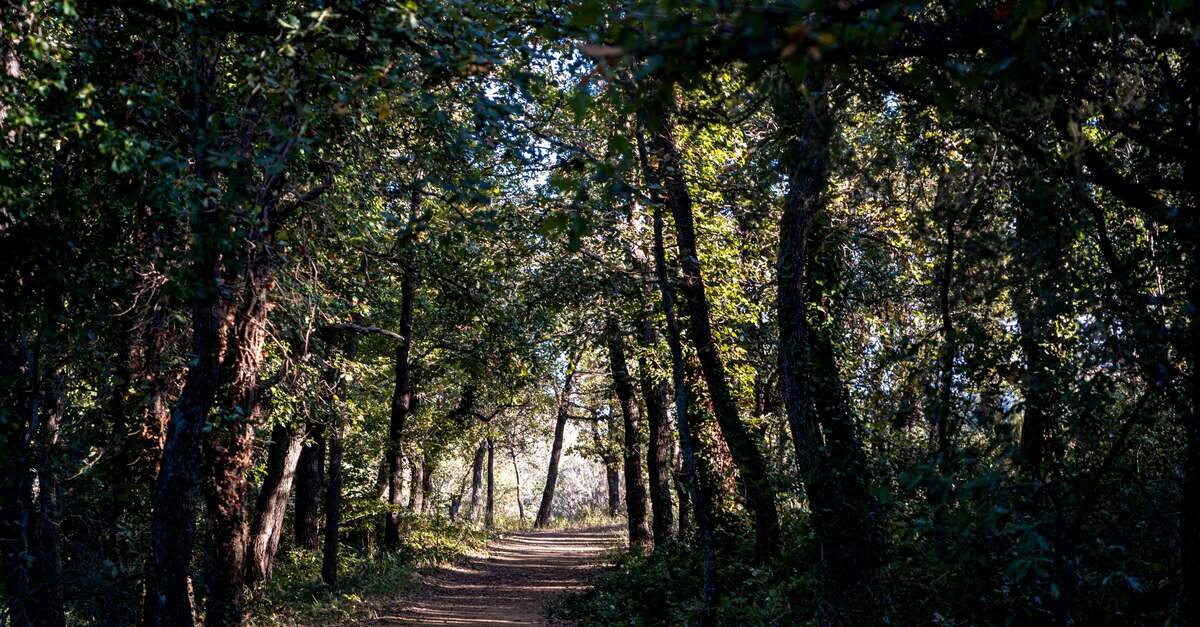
271 506
635 485
699 489
401 408
760 495
310 477
831 459
560 425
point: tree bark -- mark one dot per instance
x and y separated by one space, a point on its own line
333 495
658 462
416 500
560 425
1038 299
477 480
310 476
760 496
489 516
700 489
831 459
229 449
635 484
517 474
427 469
271 506
401 405
612 472
944 205
168 599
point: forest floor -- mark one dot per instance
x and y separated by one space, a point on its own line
512 585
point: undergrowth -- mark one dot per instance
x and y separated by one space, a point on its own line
296 595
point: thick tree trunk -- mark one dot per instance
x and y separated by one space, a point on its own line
229 450
827 448
401 408
760 495
635 484
310 477
658 461
477 481
168 599
271 506
560 425
700 490
489 516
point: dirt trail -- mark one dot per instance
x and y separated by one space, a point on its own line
511 586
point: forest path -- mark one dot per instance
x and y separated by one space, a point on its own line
521 573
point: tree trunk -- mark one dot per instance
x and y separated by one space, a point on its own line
427 469
760 496
1191 355
560 425
310 476
34 557
416 495
271 505
612 475
823 431
401 407
944 204
1038 299
333 500
229 450
612 472
517 473
477 480
635 485
658 462
700 490
489 516
168 601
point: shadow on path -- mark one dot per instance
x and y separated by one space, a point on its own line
512 585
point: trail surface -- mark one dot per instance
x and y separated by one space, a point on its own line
512 585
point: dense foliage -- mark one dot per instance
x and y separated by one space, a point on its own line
857 312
